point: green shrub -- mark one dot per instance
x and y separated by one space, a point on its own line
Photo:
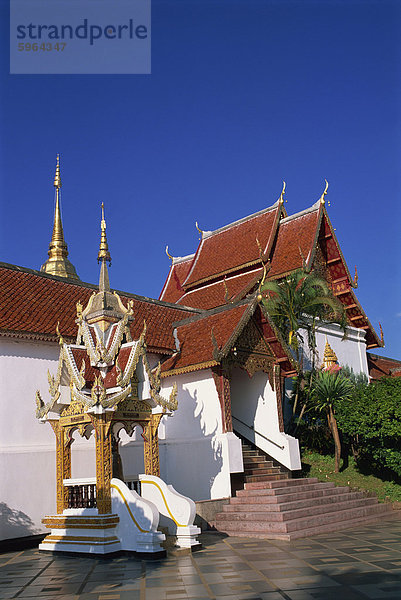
372 421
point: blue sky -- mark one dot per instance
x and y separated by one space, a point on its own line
243 94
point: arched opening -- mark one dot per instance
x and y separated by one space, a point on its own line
131 449
83 453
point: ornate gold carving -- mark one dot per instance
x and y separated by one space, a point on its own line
75 408
102 425
253 353
190 368
100 522
222 382
151 446
63 465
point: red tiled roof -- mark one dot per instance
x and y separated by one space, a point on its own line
195 337
220 292
172 289
110 380
381 366
233 246
31 303
294 243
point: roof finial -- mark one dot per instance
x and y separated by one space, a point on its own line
58 263
199 229
322 199
168 254
57 179
103 256
103 253
281 199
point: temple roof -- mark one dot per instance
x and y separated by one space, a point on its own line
233 247
218 293
199 338
382 366
179 270
204 340
31 304
226 266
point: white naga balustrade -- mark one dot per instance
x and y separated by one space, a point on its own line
138 520
179 511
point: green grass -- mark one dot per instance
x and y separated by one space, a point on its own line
322 467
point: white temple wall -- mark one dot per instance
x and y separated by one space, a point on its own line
350 351
194 452
255 416
27 447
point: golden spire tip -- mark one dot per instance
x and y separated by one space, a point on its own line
57 178
104 253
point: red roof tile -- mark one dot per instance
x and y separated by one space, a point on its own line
195 337
172 289
31 303
381 366
294 241
229 248
219 293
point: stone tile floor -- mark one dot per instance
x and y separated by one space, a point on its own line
359 563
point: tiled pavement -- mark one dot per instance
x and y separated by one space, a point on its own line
360 563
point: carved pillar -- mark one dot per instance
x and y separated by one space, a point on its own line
151 446
63 465
102 424
222 383
279 399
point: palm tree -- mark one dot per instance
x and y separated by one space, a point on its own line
301 301
329 389
298 302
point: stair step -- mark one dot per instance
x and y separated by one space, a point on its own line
316 529
299 524
283 503
265 488
256 460
264 478
258 497
244 512
284 483
320 529
261 470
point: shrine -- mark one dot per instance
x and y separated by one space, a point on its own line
104 383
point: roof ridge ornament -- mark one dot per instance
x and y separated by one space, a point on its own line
199 229
322 197
168 254
103 253
281 199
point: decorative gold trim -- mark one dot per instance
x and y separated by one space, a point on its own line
84 522
128 508
51 539
164 500
190 368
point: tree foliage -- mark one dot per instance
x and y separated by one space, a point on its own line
330 390
372 420
299 302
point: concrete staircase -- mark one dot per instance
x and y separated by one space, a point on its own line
287 509
273 506
258 468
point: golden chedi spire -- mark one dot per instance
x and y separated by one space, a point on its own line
103 256
58 263
329 358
